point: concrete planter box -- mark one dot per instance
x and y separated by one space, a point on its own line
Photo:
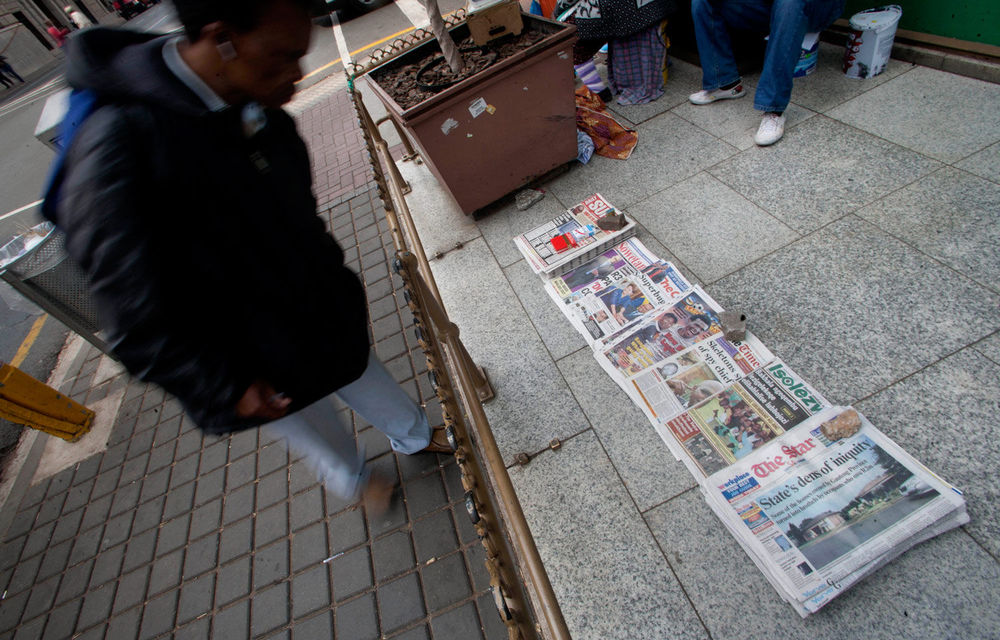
501 128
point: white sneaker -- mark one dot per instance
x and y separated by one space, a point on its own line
708 97
772 127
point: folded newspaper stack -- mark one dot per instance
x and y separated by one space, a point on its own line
815 494
571 238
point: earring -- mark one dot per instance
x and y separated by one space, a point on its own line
226 50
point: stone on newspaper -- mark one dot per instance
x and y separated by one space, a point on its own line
843 426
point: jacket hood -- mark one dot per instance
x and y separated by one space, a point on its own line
128 66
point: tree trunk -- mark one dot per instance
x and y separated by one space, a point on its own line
451 53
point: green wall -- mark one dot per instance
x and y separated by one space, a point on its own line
972 20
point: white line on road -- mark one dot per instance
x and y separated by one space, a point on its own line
338 35
49 87
414 11
17 211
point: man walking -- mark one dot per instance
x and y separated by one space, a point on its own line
787 21
186 197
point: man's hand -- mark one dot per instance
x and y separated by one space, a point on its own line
261 400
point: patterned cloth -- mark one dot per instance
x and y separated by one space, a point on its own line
605 19
637 68
611 139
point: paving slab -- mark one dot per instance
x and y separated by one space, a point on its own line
943 588
985 163
500 338
712 229
938 114
559 336
827 171
647 469
961 390
670 149
858 309
827 86
683 79
989 347
600 559
952 217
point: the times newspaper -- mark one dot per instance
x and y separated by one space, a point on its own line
816 505
615 289
825 503
741 418
538 251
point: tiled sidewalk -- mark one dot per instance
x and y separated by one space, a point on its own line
171 533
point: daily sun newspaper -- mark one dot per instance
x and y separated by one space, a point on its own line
615 289
538 251
827 502
816 496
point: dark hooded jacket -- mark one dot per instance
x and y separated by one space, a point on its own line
206 257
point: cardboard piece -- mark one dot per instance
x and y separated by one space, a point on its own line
495 21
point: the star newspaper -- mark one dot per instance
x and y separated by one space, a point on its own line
578 222
815 494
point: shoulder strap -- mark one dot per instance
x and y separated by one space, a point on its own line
82 102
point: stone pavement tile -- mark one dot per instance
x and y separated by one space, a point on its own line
712 229
938 114
317 626
434 536
556 332
501 225
938 589
671 150
392 555
233 582
855 315
573 500
461 622
269 609
822 171
736 121
357 619
400 603
985 164
963 386
827 86
990 347
949 215
232 623
506 346
647 468
445 581
351 573
310 591
683 79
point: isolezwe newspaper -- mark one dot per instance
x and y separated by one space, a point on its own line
815 494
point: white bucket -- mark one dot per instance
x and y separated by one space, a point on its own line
809 55
870 43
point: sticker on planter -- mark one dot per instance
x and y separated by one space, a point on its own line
562 55
490 109
448 125
477 107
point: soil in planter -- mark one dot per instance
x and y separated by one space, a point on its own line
403 85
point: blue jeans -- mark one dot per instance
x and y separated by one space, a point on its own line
788 21
328 445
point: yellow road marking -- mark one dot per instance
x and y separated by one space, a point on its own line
364 48
22 351
356 51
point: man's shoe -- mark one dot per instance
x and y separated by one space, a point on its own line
377 495
439 442
708 97
772 127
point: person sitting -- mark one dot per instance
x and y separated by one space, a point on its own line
787 21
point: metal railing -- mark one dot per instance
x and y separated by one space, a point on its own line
521 588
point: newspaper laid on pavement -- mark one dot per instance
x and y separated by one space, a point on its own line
686 379
661 333
571 238
741 418
827 502
816 496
